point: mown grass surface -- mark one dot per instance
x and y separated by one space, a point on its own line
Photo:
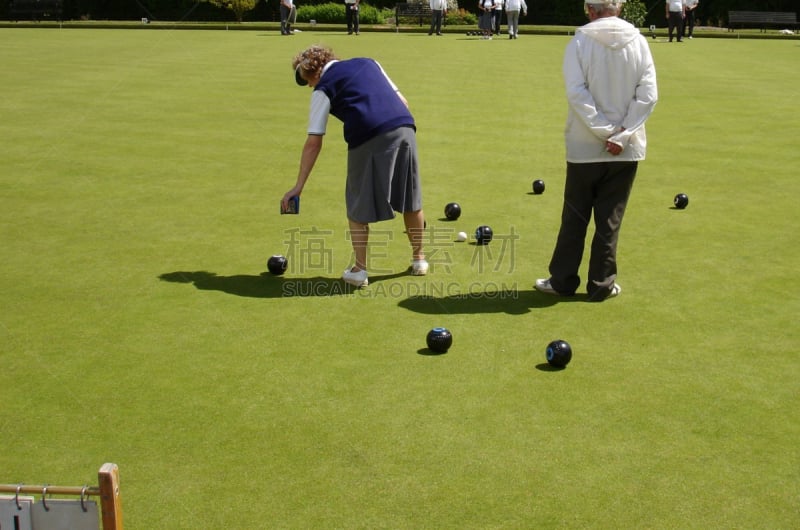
139 194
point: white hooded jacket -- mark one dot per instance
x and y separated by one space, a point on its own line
611 85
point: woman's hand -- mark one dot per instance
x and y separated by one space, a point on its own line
294 192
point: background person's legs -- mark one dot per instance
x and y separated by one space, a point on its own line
285 12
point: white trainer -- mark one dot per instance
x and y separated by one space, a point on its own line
419 267
355 278
543 285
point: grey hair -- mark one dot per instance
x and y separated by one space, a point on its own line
606 7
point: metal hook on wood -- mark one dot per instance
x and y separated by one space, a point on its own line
44 498
83 498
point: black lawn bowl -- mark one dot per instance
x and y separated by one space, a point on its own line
559 353
452 211
439 340
277 264
681 201
483 235
538 187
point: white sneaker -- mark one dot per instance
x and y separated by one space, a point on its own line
357 278
419 267
543 285
615 290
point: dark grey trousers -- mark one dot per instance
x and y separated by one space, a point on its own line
601 190
436 22
675 24
351 17
286 23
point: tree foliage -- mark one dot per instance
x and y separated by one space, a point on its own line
239 7
334 13
634 11
540 12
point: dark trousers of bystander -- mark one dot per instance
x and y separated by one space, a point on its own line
351 17
601 189
436 22
675 24
286 22
688 24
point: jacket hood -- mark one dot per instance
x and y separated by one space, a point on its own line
612 32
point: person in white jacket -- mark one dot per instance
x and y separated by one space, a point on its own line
611 90
513 8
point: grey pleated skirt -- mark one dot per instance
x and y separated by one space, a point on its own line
383 177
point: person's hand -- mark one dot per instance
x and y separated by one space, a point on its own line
294 192
613 148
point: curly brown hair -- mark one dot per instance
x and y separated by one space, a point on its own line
312 60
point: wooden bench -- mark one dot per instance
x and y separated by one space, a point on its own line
35 9
421 11
762 20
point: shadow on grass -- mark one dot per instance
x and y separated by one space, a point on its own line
511 302
267 285
430 353
546 367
